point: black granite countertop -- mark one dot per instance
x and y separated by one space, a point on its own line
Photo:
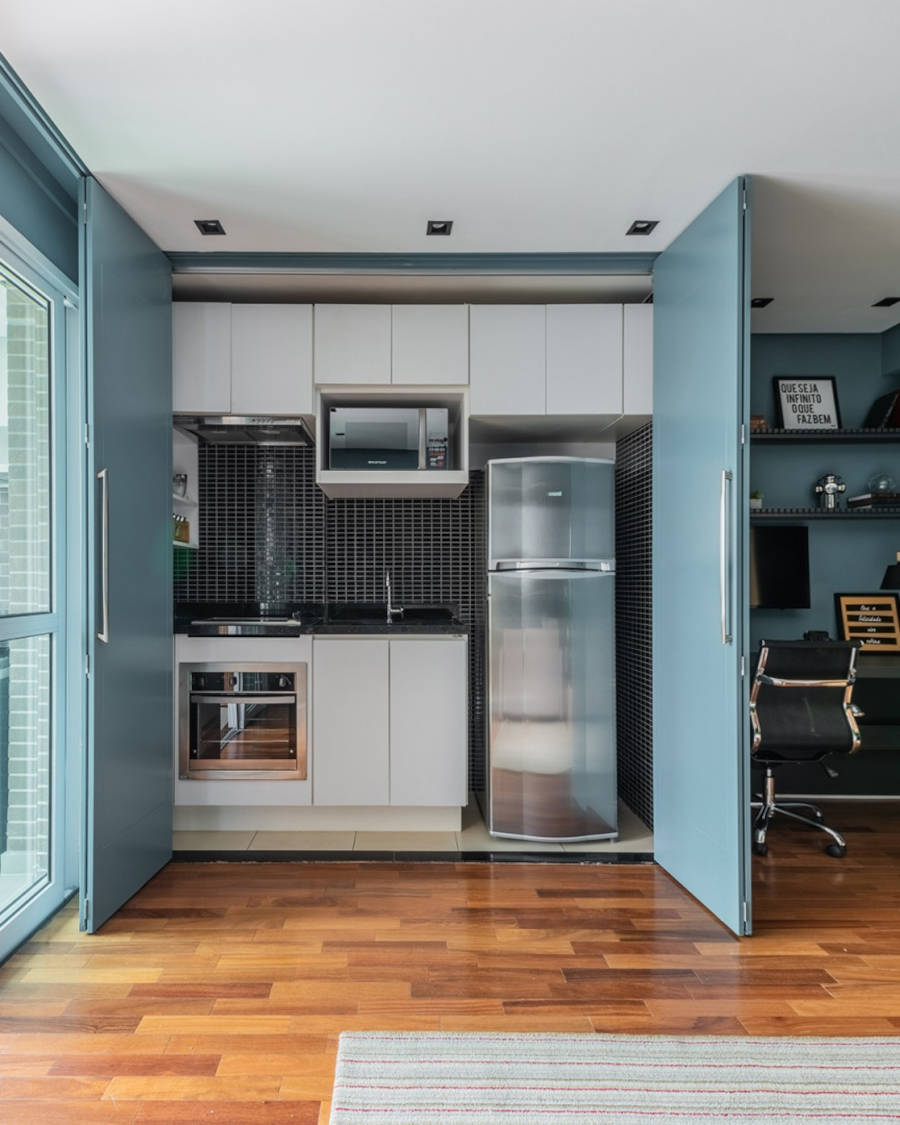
331 619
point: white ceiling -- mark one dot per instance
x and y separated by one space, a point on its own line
342 125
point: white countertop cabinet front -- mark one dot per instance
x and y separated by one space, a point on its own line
201 357
352 344
507 359
390 721
429 722
271 359
584 359
351 722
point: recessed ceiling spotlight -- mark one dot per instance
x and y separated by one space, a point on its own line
760 302
439 226
209 226
643 226
886 302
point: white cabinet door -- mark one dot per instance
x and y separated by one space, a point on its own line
584 359
201 357
352 344
430 344
429 725
271 359
638 359
350 722
507 359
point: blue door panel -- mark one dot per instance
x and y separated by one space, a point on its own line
129 782
701 834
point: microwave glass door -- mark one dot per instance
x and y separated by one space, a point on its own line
374 437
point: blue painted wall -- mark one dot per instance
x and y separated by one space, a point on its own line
890 351
844 556
39 176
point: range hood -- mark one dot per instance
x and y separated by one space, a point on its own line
230 429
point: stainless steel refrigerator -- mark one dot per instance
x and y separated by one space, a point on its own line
551 649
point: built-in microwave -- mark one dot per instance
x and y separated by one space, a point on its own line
388 437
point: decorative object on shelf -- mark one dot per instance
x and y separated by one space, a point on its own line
756 501
884 413
179 484
872 501
758 423
871 619
827 489
806 403
891 580
181 529
881 483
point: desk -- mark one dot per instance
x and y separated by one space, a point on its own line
877 692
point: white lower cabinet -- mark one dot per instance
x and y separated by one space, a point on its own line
429 727
351 720
390 721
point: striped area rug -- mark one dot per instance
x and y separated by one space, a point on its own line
420 1078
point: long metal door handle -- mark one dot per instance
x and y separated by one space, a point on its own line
724 576
103 477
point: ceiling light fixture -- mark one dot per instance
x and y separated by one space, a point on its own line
209 226
760 302
439 226
886 302
643 226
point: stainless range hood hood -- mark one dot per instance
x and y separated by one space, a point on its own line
231 429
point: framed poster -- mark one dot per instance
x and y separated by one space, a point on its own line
806 402
871 619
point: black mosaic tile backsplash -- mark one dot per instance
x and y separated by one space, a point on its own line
634 624
268 535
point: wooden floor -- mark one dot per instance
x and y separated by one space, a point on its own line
217 994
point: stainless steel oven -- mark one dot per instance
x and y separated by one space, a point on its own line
242 721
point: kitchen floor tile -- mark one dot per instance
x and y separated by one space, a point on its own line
476 838
183 841
406 842
302 842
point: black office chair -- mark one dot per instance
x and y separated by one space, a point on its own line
801 711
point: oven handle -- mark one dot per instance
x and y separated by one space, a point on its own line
199 697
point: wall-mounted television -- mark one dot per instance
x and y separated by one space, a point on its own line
779 567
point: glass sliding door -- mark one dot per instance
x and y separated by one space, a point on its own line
32 596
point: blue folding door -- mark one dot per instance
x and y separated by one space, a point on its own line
701 763
129 369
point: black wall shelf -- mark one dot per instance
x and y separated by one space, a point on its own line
767 514
791 436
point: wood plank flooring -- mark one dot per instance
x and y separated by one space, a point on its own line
218 992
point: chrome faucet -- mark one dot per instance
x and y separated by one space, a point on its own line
392 611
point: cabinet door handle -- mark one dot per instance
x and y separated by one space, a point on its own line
724 575
103 477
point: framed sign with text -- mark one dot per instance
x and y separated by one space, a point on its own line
806 402
871 619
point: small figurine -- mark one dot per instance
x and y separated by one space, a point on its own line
827 489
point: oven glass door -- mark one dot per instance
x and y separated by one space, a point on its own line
243 722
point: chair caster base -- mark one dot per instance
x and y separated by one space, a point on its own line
837 850
760 849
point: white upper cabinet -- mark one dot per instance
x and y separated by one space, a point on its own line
638 360
352 344
507 359
430 344
271 359
201 357
584 359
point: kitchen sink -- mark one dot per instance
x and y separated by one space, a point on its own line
375 613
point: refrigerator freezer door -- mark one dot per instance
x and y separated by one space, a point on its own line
545 508
551 705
